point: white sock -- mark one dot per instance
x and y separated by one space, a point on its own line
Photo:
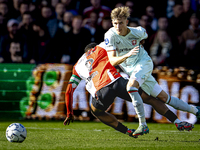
177 121
181 105
138 104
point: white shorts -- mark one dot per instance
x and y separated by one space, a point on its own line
156 90
142 73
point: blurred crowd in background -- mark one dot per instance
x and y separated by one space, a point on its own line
56 31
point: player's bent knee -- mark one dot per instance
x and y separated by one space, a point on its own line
163 96
98 112
132 83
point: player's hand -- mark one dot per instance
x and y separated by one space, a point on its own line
134 51
68 120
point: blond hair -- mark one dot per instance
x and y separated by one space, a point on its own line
120 12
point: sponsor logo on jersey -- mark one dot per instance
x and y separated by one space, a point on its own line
106 41
124 49
92 76
89 63
134 42
118 42
132 38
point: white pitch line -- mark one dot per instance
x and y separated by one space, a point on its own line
36 128
98 130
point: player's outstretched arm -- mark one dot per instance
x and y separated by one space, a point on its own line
69 98
114 60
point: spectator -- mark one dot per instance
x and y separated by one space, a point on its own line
92 25
24 7
3 28
4 11
133 22
46 15
169 8
67 21
163 24
177 23
70 6
189 39
43 51
145 22
106 24
187 10
14 9
25 27
101 10
154 21
35 11
118 4
55 23
77 38
16 53
13 34
54 3
131 6
25 24
160 49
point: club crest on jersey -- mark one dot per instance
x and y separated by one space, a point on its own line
134 42
106 41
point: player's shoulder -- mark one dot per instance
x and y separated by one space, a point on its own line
102 45
138 31
110 32
138 28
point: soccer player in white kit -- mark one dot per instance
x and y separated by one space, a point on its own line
121 43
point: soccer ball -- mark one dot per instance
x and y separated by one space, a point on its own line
16 132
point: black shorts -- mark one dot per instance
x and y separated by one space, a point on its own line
106 95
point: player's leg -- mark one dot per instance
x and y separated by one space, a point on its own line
121 91
140 73
177 103
132 89
110 120
158 105
104 98
162 109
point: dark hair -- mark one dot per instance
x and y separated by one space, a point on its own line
90 46
24 2
40 24
16 41
106 18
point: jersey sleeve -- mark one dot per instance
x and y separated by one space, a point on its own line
141 33
109 41
73 83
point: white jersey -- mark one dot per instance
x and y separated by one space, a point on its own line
138 67
123 44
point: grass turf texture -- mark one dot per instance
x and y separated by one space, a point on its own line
95 135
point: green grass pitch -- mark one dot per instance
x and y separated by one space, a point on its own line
97 136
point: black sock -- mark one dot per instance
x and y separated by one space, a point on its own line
121 128
170 116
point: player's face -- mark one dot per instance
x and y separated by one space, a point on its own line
120 26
